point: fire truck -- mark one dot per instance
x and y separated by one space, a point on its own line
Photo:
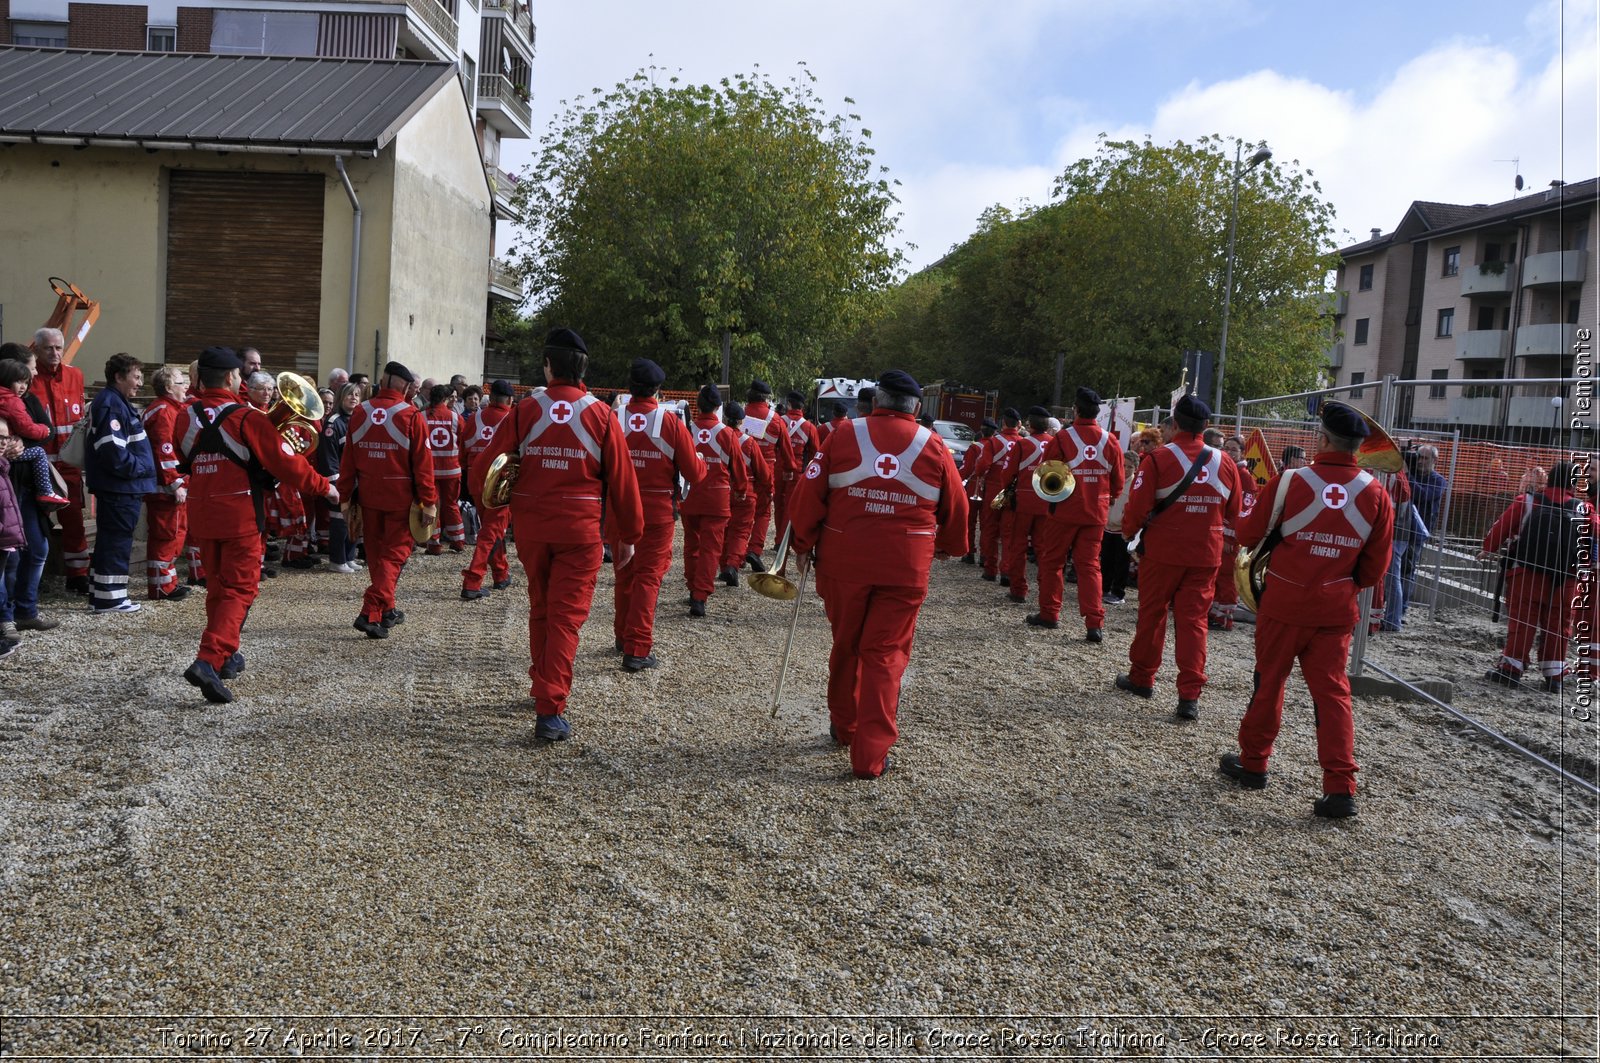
947 400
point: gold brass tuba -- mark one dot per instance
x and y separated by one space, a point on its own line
499 480
1053 481
296 411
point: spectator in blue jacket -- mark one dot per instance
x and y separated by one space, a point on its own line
1428 489
121 470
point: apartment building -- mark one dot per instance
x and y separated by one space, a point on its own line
1479 292
491 43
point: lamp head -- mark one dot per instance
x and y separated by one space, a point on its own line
1262 154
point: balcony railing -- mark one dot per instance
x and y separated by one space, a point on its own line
1534 341
517 12
439 19
1336 355
1475 280
1555 267
504 186
498 88
503 280
1482 344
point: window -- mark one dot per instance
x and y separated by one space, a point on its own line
1361 329
1366 278
1357 378
469 77
1452 261
39 34
161 39
1447 323
1486 317
1437 391
264 32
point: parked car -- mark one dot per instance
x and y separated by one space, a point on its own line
957 436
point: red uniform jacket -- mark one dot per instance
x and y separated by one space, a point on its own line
804 442
62 394
879 500
1016 471
161 425
219 490
1338 526
662 450
995 449
969 462
477 433
570 451
1507 526
756 464
21 422
762 425
445 431
386 455
716 444
1189 531
1096 460
828 429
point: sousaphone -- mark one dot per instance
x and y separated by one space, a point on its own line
499 480
296 412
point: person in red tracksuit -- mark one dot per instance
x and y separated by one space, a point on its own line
803 444
764 425
745 511
571 453
877 505
1225 593
1332 522
489 554
229 451
1180 549
1076 528
445 432
662 450
60 388
838 418
970 462
167 512
1028 510
390 467
708 508
990 461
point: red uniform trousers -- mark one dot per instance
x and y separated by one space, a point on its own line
703 536
1025 528
780 503
740 537
1538 606
490 553
316 508
989 541
974 511
1081 542
1324 653
234 567
74 541
287 516
638 586
1187 590
873 627
755 532
167 523
197 566
561 578
450 527
389 542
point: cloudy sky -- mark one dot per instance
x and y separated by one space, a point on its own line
976 102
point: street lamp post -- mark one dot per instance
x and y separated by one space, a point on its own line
1556 402
1262 154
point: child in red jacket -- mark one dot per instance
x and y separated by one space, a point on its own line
14 378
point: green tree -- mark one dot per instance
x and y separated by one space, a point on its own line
665 220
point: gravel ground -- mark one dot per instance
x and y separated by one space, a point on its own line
370 829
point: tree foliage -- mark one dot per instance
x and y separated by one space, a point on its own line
661 218
1122 272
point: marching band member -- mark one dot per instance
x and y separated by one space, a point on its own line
1076 528
708 508
233 453
167 512
765 426
1028 510
744 511
970 462
285 512
803 444
989 464
390 468
662 450
489 553
445 431
1225 593
1181 496
864 401
877 504
571 453
60 388
1334 524
837 420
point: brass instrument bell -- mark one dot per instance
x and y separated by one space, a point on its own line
774 583
1053 481
296 412
499 480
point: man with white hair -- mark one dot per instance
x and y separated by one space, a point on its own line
337 379
60 387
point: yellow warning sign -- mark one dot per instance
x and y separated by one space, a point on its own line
1258 458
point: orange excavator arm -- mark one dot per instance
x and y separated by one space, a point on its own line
69 301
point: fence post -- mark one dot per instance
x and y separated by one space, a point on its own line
1238 418
1358 646
1443 532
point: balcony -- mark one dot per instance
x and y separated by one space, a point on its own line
438 19
1475 280
1463 410
504 282
504 105
1338 304
1534 341
1534 411
513 11
1336 355
1555 267
1482 345
503 185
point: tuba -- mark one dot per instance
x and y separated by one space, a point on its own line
1053 481
296 412
1377 453
499 480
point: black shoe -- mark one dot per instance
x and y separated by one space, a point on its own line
1020 599
730 576
9 646
1005 581
605 555
552 729
273 552
474 595
989 577
969 559
619 645
631 663
393 618
697 607
755 562
205 677
1122 682
881 774
1188 709
1037 620
501 584
1552 684
77 585
1503 676
1233 769
1335 806
269 573
370 628
1094 634
234 666
1112 599
176 594
833 734
303 562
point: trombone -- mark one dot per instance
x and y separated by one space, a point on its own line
775 584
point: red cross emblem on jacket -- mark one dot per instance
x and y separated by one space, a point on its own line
888 466
1203 476
1334 496
379 415
561 412
1090 451
636 422
703 435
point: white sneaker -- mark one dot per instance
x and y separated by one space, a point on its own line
344 566
127 605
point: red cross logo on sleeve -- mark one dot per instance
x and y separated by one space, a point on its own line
887 466
1334 496
561 412
636 423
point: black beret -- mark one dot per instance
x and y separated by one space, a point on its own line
760 387
795 399
220 358
1038 411
988 422
501 387
899 382
1342 420
866 395
839 410
1088 397
1010 413
644 373
566 340
732 412
396 369
1192 407
710 397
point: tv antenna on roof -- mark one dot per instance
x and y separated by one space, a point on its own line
1516 166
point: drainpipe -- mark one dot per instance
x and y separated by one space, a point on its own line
355 266
1507 371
